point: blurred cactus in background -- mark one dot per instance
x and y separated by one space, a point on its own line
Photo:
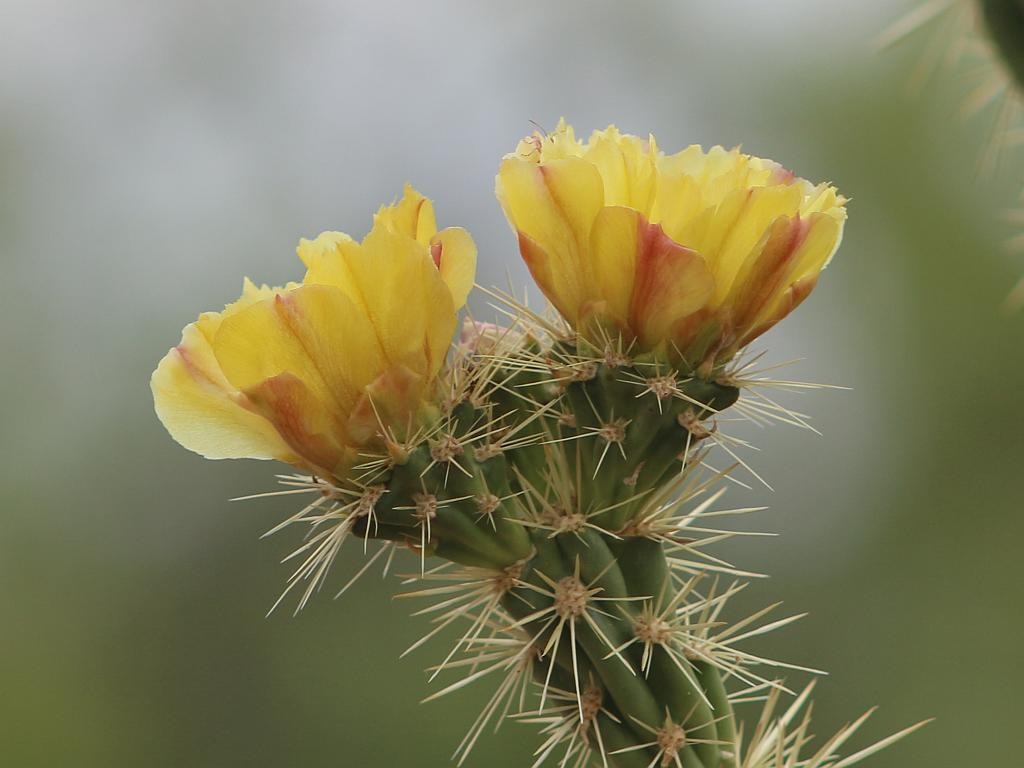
986 39
557 462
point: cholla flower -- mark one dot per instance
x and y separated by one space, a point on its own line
302 373
696 253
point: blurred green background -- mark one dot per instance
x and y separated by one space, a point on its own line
151 154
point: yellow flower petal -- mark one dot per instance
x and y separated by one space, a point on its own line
392 398
376 276
628 168
314 332
452 249
322 260
408 303
553 206
672 283
304 422
454 254
733 239
614 240
817 240
203 412
412 216
330 258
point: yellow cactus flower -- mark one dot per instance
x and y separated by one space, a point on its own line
689 256
305 373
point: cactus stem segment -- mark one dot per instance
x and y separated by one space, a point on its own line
581 736
558 509
569 615
673 745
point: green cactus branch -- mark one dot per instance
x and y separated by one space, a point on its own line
564 483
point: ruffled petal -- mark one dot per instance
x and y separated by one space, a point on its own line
454 254
315 333
672 283
409 304
304 422
204 412
412 216
553 205
614 241
628 168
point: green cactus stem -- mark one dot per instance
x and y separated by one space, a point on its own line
555 481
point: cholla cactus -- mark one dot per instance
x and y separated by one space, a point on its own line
556 463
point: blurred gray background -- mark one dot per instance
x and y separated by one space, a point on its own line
151 154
